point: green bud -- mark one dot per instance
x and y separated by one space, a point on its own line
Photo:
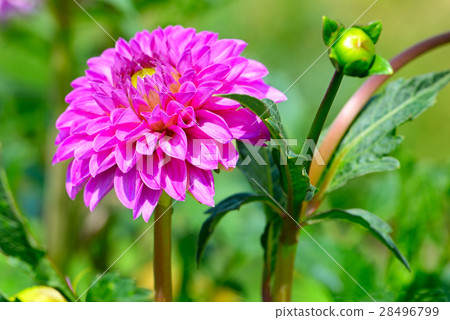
352 51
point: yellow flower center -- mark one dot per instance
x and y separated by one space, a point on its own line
144 72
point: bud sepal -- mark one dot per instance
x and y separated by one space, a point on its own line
352 50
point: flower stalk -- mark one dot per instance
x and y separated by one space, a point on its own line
288 241
321 115
162 249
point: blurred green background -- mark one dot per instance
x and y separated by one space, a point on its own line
41 53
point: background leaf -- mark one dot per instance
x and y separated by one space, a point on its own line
14 239
113 288
367 220
373 135
231 203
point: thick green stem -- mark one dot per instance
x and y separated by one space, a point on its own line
321 116
285 261
162 250
287 244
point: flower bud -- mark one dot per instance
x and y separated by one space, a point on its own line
352 51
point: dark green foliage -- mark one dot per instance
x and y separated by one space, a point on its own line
113 288
377 227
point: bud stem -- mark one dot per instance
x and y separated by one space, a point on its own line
321 115
162 268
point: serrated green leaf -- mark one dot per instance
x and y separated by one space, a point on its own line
114 288
231 203
330 30
380 66
373 30
367 220
372 136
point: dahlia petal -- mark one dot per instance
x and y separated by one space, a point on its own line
238 65
228 156
98 187
126 156
214 126
185 62
96 125
214 72
203 153
226 48
104 102
66 149
174 178
73 187
255 70
150 171
146 145
105 140
244 124
174 143
186 118
201 185
128 132
127 186
102 161
146 203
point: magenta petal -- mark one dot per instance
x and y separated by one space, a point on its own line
174 178
214 126
174 143
126 156
201 185
148 199
244 124
147 144
98 187
148 167
127 186
101 161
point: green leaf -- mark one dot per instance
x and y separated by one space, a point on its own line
231 203
372 136
259 169
14 238
294 180
3 298
367 220
373 30
252 103
269 242
330 30
380 66
113 288
266 109
16 241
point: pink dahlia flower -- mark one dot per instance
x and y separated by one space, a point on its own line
145 119
11 7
